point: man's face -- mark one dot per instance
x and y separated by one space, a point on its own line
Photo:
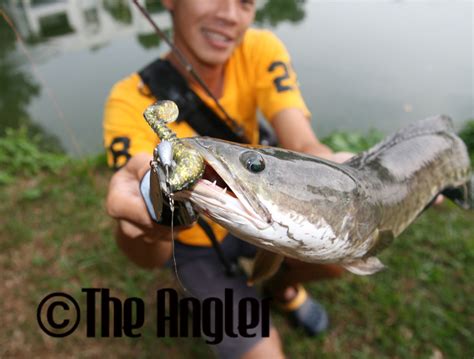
209 30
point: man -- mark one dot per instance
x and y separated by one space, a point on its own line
246 70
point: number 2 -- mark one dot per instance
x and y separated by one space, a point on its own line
278 81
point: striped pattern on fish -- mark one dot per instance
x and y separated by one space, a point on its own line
315 210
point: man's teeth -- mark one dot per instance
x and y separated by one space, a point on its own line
216 36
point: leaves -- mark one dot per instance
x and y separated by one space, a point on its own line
352 141
467 135
20 155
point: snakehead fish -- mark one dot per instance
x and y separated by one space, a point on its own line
189 165
314 210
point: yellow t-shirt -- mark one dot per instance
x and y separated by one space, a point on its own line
258 75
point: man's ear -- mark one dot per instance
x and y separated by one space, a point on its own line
168 4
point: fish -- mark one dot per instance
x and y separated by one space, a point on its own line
187 164
317 211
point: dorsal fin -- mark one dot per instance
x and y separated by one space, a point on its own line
427 126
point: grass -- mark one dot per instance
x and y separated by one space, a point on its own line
56 236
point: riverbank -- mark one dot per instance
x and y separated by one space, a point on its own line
56 236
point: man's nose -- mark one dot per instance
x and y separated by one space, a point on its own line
228 10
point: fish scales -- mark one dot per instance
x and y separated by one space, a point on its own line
319 211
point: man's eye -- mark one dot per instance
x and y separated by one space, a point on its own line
248 3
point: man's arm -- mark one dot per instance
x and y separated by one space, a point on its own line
294 132
146 243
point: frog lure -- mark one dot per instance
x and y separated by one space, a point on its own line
183 164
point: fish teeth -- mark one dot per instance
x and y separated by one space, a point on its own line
224 190
214 183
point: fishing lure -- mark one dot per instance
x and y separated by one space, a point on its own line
187 165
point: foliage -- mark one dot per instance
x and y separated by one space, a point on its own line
277 11
20 154
119 10
18 87
352 141
154 6
467 135
148 41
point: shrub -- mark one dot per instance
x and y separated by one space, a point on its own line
20 155
467 135
352 141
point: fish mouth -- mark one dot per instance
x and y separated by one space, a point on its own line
219 191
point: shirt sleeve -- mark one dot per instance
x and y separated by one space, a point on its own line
126 133
276 82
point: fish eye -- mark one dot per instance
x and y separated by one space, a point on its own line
252 161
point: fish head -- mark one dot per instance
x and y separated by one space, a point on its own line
230 191
274 197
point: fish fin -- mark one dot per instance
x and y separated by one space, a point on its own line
384 239
428 126
367 266
265 265
462 195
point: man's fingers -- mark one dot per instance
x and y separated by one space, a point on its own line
124 200
341 157
439 199
128 206
130 230
149 235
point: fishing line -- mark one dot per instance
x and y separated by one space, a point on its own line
49 91
171 203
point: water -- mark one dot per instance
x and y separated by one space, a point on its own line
361 64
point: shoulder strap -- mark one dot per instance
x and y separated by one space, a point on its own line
165 82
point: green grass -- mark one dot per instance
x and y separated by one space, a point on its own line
56 236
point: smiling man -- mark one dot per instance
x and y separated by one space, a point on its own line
246 70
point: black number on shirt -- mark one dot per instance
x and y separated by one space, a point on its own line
279 81
119 149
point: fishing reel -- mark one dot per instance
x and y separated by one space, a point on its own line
155 190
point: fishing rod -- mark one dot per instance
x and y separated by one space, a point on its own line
238 130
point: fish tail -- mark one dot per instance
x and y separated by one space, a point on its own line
462 195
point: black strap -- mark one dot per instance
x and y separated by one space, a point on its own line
165 82
230 268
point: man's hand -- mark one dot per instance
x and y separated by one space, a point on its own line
125 202
145 242
294 132
340 157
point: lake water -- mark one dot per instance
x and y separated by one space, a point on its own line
361 64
